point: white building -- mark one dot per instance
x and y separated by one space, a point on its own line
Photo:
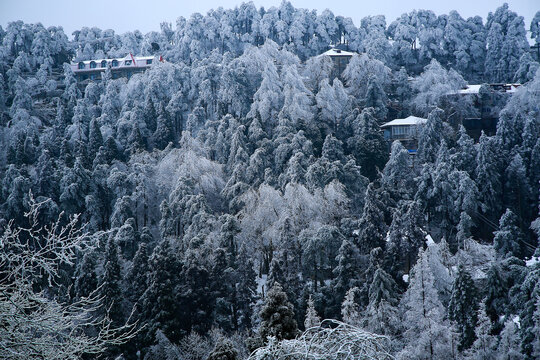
403 129
120 67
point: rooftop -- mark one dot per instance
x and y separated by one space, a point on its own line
475 89
127 57
337 52
410 120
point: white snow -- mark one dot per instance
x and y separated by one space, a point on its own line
471 89
532 261
261 282
429 240
405 278
516 319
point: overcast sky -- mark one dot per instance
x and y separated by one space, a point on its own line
123 16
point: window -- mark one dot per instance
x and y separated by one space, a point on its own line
81 65
114 63
93 65
127 62
149 61
400 131
92 76
104 64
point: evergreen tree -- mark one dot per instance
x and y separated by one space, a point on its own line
485 345
312 319
346 272
381 313
508 348
245 289
86 280
509 239
488 177
463 308
428 333
372 225
137 275
160 305
496 295
110 285
431 137
223 350
277 316
516 188
95 139
367 144
350 310
376 99
529 293
398 178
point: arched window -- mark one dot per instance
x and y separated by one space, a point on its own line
81 65
93 65
104 64
114 63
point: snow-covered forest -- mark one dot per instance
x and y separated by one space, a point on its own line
226 201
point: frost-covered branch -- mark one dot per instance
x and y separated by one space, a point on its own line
330 340
32 323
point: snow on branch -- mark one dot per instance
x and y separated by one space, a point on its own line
331 340
34 325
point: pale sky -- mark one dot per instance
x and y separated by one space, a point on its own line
145 16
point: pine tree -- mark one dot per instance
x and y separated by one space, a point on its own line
496 295
95 139
277 316
346 272
223 350
246 289
485 345
312 319
376 99
536 330
428 333
509 239
398 178
372 225
350 310
488 175
529 295
110 285
463 307
381 313
367 144
516 188
137 276
508 348
431 137
159 304
86 280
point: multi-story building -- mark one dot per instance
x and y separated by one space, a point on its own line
120 67
340 58
488 99
405 130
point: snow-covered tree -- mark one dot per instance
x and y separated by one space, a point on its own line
462 308
428 334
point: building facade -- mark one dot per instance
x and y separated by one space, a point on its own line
406 130
120 67
340 58
488 99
